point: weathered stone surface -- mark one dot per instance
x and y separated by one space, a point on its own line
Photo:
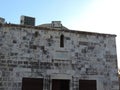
33 52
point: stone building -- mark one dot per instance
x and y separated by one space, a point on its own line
52 57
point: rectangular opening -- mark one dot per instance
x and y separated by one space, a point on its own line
58 84
87 85
32 84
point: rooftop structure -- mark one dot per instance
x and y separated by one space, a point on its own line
54 25
2 20
26 20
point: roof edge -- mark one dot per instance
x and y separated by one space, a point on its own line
65 30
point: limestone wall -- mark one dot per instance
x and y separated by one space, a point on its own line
34 53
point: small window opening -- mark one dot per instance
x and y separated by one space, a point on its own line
36 34
62 41
14 41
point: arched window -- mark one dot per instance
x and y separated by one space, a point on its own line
62 40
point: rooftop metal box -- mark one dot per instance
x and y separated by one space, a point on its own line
26 20
2 20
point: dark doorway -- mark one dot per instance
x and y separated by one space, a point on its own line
58 84
32 84
87 85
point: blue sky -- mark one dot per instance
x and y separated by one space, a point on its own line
87 15
43 10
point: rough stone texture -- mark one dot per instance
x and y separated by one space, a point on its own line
36 53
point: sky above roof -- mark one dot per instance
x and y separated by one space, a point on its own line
101 16
43 10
